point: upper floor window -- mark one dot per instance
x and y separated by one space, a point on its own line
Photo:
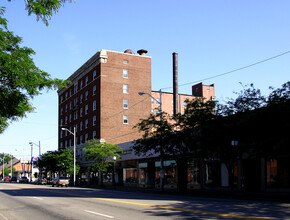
152 111
125 119
86 109
86 123
66 95
125 73
94 90
94 105
81 84
125 103
81 126
157 101
81 98
76 88
94 120
171 102
125 61
94 134
184 104
61 111
70 106
86 95
70 92
81 112
61 99
125 88
86 137
87 80
66 107
152 101
95 74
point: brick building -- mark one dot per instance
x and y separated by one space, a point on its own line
102 101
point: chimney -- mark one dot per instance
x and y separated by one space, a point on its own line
175 83
142 52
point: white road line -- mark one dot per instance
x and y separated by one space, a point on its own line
37 198
96 213
3 217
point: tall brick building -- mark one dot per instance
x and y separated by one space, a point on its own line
102 100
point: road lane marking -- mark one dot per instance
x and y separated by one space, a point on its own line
3 217
96 213
156 206
37 198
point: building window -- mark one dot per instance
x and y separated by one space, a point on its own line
94 105
152 101
125 88
86 123
86 137
70 106
81 126
70 117
81 139
94 90
86 95
157 101
65 132
77 127
81 112
75 115
66 108
65 119
70 92
125 73
87 80
60 144
95 74
184 104
61 99
125 103
69 143
65 144
157 111
81 98
61 134
152 111
61 111
75 88
61 122
81 84
171 102
86 109
94 120
66 95
125 119
125 61
94 134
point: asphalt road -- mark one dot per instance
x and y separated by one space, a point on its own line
26 201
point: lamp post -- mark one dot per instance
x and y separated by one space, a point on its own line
161 147
74 134
114 172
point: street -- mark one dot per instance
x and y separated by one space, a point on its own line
27 201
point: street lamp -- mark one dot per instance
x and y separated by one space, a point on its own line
114 173
161 147
74 134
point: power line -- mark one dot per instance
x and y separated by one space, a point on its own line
232 71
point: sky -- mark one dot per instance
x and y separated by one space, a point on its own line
211 38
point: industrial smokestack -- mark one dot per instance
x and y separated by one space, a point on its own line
175 83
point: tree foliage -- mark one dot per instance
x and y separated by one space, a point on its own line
43 9
20 79
101 154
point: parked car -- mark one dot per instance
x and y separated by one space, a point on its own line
13 179
7 178
49 180
60 181
23 179
40 181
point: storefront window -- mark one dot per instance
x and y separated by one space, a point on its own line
271 172
170 174
193 175
130 175
143 173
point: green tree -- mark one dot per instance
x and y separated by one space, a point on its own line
43 9
47 162
101 155
65 162
20 79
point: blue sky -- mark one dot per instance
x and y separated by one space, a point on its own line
211 37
